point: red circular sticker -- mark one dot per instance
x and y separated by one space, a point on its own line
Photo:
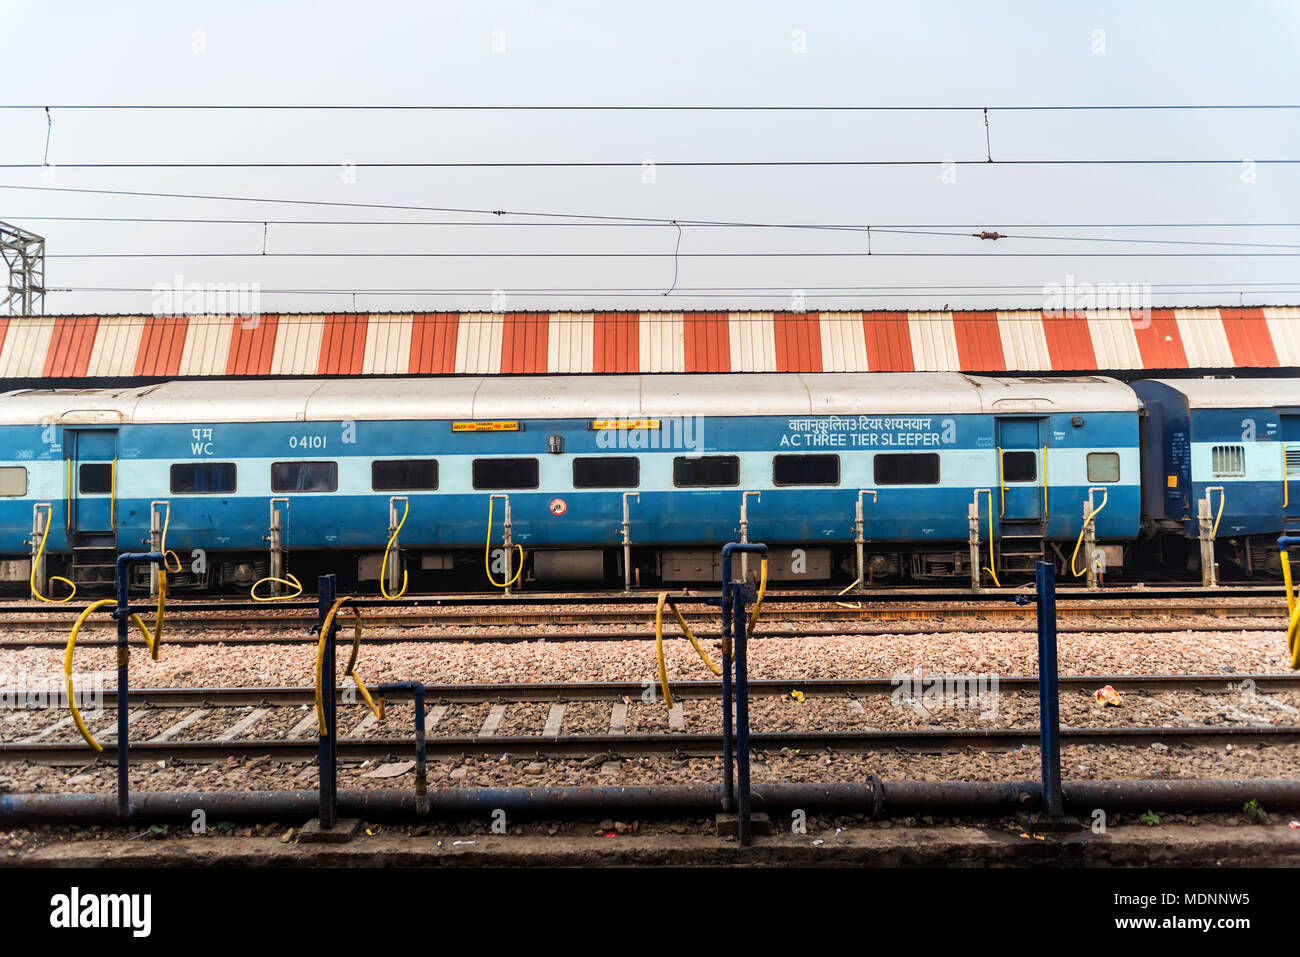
558 506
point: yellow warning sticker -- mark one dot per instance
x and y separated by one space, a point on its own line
600 424
485 426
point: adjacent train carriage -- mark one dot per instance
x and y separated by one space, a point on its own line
1235 441
683 454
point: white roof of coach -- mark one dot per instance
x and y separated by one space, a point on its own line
72 406
525 397
1237 393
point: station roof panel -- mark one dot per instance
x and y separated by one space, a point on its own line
307 345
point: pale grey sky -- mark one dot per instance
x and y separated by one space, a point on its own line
934 53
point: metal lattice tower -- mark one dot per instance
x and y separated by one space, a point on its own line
24 255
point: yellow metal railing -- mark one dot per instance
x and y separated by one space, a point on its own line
1046 513
112 495
1286 484
1002 486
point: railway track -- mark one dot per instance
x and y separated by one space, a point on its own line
298 742
193 634
683 596
1077 610
685 743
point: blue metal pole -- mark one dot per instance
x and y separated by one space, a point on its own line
733 623
728 781
326 592
742 719
123 615
1049 706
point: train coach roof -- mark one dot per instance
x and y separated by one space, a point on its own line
1237 393
524 397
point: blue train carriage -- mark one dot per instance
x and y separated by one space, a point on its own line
218 462
1235 440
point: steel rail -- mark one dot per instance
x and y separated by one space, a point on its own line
292 696
503 635
696 596
705 744
560 616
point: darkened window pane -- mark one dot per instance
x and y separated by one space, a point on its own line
1019 467
706 470
13 480
921 468
304 476
96 478
614 471
190 478
1103 466
805 470
404 475
505 473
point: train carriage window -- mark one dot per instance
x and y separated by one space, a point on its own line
907 468
1228 460
505 473
1103 466
95 478
1019 466
404 475
13 480
705 470
304 476
202 478
805 470
612 471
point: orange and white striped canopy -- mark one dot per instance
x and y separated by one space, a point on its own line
486 343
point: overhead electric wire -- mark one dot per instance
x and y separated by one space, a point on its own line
648 225
811 293
887 230
719 289
615 219
666 164
660 255
662 108
352 205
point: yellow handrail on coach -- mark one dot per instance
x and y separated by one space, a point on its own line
1002 486
1046 513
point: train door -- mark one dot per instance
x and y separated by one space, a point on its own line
1290 464
1020 470
92 496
